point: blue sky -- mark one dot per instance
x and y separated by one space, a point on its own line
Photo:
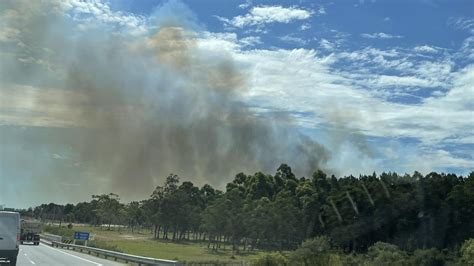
383 85
419 22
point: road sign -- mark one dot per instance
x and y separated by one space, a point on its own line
81 235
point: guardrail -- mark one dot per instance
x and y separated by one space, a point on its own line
127 258
51 237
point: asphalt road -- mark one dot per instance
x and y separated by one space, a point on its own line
45 255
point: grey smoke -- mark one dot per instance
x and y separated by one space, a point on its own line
137 108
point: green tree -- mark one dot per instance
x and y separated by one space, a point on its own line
135 214
108 208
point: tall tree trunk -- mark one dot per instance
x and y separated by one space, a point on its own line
165 232
155 232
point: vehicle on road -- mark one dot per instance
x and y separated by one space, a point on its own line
9 236
30 231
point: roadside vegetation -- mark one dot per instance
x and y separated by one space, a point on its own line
385 219
141 242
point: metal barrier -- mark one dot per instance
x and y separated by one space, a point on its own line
127 258
50 237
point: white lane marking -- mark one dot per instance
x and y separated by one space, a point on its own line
26 255
77 257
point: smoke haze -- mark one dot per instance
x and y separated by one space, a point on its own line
121 110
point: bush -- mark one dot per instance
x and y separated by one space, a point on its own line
319 244
427 257
272 259
352 259
313 251
60 231
467 252
382 253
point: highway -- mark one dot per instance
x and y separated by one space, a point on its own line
45 255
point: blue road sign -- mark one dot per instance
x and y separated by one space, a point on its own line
81 235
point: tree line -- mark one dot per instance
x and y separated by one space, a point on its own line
280 211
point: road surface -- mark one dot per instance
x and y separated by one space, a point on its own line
45 255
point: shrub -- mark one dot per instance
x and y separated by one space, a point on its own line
272 259
313 251
350 260
319 244
467 251
427 257
60 231
386 254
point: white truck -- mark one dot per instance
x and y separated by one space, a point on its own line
9 236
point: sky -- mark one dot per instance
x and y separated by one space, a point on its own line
111 96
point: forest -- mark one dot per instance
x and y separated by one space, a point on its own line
281 212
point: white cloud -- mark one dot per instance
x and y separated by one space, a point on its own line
433 159
425 49
460 96
245 5
467 49
218 41
327 45
261 15
305 26
210 41
439 71
380 35
250 41
410 69
387 81
293 39
463 23
322 11
102 13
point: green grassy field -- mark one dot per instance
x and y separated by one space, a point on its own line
141 243
178 251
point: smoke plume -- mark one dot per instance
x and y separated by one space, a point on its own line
127 108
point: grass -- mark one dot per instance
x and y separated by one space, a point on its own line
141 244
179 251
